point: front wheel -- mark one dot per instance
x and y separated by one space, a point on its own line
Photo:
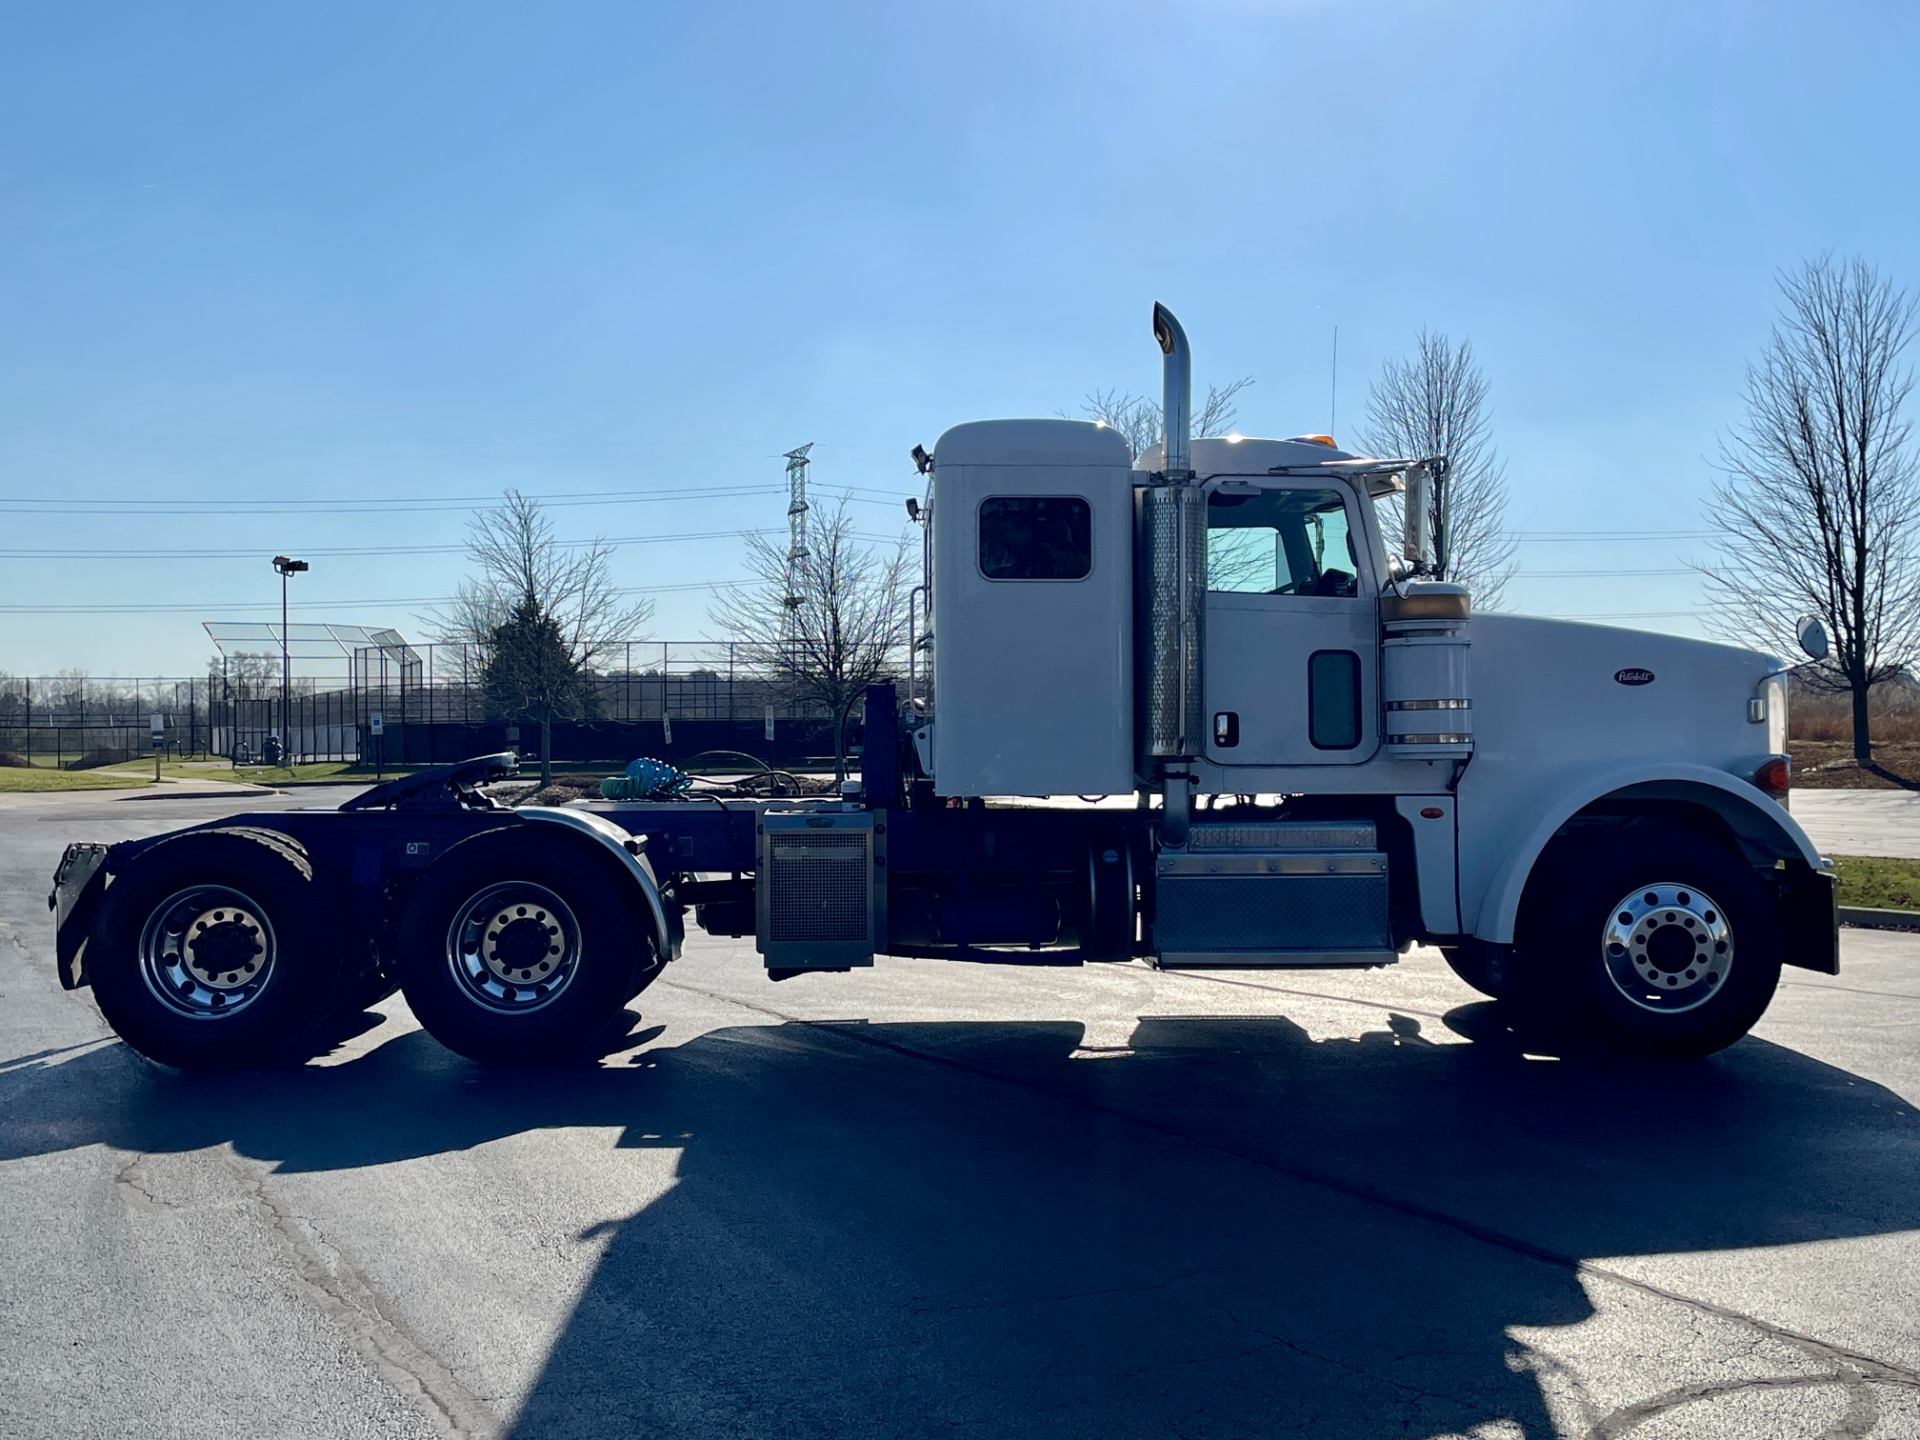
1481 966
517 951
1662 944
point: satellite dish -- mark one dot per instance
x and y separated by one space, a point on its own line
1812 636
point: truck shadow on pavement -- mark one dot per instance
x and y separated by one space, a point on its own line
1223 1227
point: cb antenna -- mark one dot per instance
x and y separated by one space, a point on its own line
1333 404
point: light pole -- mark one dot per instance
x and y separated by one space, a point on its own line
286 567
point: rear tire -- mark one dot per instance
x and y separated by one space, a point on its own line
1658 943
518 951
215 951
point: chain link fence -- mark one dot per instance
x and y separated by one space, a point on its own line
72 721
402 704
672 699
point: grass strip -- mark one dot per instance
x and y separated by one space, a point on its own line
17 780
1878 883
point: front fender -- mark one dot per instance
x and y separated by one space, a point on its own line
621 845
1761 824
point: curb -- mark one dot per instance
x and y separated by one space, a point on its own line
1869 919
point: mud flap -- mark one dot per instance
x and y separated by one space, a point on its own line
77 887
1810 918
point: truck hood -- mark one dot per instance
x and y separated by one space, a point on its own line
1559 689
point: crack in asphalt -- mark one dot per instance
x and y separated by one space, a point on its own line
1847 989
1850 1368
1862 1414
371 1325
131 1177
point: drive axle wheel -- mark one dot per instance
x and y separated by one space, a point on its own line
1666 944
208 951
516 949
213 951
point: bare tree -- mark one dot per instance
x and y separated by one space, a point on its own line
1434 403
249 675
516 557
531 593
71 690
836 628
1139 421
1816 505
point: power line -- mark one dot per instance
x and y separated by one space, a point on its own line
205 607
1605 537
253 552
366 505
172 608
263 505
1634 615
1593 574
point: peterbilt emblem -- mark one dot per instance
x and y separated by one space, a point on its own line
1633 676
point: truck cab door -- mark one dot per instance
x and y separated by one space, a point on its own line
1292 624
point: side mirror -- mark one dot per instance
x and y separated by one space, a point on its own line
1414 538
1812 636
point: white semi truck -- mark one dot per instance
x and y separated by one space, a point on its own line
1329 759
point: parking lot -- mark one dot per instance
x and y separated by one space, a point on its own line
939 1199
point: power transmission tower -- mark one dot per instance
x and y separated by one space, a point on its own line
796 545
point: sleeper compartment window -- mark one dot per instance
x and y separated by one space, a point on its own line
1036 537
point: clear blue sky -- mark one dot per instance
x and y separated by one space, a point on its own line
335 252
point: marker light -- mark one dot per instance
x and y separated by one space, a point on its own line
1775 776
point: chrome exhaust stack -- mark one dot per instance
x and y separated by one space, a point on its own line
1176 542
1176 392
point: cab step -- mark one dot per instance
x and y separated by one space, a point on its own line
1273 895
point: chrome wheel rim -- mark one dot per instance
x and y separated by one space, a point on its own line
207 952
514 947
1668 948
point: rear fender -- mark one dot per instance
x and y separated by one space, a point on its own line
625 849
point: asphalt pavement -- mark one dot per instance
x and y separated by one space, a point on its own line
936 1199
